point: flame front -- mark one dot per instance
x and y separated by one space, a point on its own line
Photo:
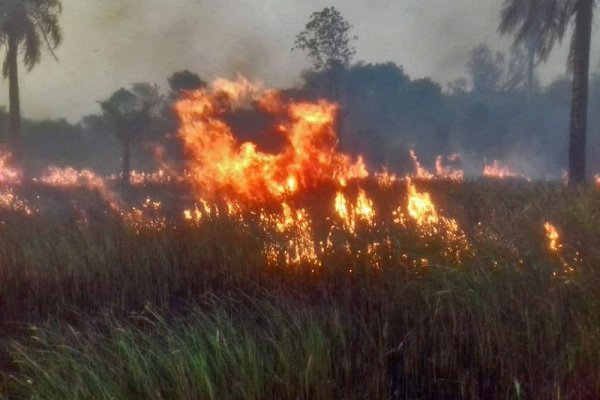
220 165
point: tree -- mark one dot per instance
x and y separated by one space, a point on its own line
131 114
486 69
185 80
26 25
327 40
549 20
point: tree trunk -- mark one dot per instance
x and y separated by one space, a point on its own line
579 90
14 103
126 172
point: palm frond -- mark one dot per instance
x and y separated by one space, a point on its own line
31 45
546 21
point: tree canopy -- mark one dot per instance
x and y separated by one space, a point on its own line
327 39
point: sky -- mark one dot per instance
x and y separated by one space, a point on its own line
110 44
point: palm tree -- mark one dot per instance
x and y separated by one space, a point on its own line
26 26
131 114
545 22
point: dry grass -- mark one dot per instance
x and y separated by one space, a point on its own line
99 310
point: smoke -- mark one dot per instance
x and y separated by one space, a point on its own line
110 43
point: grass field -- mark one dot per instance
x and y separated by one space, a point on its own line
476 301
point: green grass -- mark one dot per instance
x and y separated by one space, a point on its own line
99 310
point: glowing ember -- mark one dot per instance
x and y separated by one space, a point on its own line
10 201
219 165
144 178
146 218
70 177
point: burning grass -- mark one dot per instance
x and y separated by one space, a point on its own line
435 289
295 274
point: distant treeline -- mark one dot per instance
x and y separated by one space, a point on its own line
495 112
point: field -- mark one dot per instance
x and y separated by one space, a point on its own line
486 289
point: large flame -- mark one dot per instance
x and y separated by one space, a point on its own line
220 165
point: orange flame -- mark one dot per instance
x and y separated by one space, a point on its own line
497 170
220 165
420 206
553 237
446 172
350 214
8 174
442 172
70 177
420 172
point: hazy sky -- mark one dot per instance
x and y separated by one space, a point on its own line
111 43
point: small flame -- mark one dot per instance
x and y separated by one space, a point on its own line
351 214
553 237
420 207
442 172
70 177
8 174
420 172
498 170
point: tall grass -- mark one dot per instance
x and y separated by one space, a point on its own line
98 310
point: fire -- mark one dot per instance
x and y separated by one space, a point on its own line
352 213
8 174
220 165
10 201
72 178
420 172
497 170
385 179
442 172
597 180
293 243
446 172
433 226
146 218
567 262
553 237
420 206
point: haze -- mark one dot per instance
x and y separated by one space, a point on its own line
111 43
